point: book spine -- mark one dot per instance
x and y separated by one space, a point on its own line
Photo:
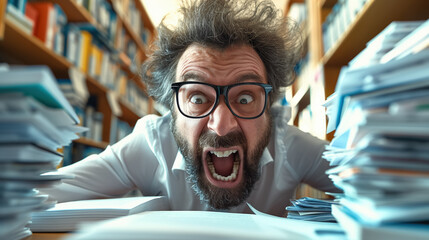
85 46
71 43
43 29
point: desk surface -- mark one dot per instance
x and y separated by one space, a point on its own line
47 236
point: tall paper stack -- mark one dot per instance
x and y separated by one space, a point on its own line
381 146
35 121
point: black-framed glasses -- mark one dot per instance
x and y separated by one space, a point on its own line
246 100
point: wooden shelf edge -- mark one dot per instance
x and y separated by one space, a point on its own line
95 87
74 11
128 113
20 43
92 143
3 4
327 3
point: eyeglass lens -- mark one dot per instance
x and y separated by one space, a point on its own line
245 100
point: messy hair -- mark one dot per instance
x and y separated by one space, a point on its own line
220 24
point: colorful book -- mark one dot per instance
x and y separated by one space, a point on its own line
18 18
32 14
85 50
71 43
44 29
60 22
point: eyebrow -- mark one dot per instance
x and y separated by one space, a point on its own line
192 76
242 78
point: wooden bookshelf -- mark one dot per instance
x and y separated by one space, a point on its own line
132 34
31 51
95 87
132 76
145 16
373 18
128 114
25 49
75 12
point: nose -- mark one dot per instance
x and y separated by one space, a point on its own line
221 120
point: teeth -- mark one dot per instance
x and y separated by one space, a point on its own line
231 177
224 153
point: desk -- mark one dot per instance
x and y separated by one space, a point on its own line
47 236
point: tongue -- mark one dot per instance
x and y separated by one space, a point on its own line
223 165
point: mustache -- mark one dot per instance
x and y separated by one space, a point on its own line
211 139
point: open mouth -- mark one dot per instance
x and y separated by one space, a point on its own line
223 167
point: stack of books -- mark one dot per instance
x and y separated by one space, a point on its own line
35 121
381 143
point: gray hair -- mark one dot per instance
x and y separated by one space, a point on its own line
220 24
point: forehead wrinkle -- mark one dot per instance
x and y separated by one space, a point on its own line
236 63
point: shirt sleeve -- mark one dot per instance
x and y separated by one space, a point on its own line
304 156
122 167
97 176
315 175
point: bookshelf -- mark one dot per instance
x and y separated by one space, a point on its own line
31 51
75 12
371 19
17 46
312 88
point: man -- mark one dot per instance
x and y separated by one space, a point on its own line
223 143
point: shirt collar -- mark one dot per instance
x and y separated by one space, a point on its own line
179 163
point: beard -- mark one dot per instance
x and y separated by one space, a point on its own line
215 197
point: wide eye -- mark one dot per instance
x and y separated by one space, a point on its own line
245 99
198 99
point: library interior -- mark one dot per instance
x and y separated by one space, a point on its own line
82 102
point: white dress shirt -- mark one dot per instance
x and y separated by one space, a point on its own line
148 159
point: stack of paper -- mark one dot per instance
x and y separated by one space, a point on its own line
381 144
414 42
35 120
67 216
383 43
311 209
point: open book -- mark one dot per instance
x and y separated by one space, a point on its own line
67 216
207 225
